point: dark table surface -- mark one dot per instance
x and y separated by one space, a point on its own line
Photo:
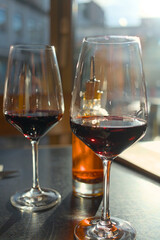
133 197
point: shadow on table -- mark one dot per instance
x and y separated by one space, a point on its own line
56 223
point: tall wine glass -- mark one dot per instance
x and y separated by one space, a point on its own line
110 84
33 104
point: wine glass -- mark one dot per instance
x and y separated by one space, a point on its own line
109 114
33 104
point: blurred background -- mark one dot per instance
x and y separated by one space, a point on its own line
64 23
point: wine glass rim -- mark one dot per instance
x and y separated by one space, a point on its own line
111 39
28 47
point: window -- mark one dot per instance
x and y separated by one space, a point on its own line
134 17
17 23
3 19
22 22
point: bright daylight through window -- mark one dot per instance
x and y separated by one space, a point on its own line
133 17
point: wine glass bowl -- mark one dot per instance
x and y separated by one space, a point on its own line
109 114
33 104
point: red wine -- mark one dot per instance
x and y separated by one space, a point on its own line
108 136
34 125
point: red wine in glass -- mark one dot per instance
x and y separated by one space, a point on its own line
108 136
34 125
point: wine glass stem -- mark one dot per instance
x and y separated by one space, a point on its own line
35 165
106 186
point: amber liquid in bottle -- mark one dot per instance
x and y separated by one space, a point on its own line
87 166
87 170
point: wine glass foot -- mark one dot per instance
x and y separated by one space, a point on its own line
35 200
92 229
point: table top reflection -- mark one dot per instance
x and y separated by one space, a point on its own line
133 197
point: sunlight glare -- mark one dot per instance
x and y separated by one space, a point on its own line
150 9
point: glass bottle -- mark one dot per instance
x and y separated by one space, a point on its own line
87 168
